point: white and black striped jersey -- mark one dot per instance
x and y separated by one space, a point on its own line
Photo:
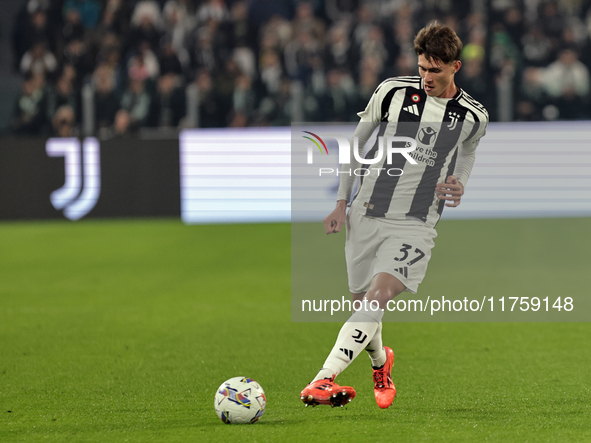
447 132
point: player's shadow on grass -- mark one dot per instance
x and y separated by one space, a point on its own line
327 416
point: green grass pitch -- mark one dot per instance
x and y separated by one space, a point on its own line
115 331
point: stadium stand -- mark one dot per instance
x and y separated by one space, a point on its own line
110 67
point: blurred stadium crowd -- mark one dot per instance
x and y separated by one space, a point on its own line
110 67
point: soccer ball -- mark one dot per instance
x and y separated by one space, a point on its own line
240 400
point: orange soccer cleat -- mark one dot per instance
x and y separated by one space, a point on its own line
327 392
384 389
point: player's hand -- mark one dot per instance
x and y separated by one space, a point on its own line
335 220
452 190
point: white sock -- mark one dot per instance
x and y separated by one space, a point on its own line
375 349
352 339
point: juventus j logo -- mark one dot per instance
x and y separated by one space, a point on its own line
78 195
454 116
358 338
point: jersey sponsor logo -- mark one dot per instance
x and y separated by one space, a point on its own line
427 135
412 109
425 156
82 185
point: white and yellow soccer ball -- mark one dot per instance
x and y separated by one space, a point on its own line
240 400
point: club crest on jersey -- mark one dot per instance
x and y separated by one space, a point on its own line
454 116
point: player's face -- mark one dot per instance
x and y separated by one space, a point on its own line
438 78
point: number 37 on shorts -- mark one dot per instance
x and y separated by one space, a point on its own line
400 249
406 260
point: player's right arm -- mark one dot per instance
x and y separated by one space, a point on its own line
369 119
336 219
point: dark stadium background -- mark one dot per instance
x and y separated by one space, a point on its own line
136 73
262 62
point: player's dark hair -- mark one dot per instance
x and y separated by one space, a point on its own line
438 42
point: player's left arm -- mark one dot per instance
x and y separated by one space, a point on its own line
453 188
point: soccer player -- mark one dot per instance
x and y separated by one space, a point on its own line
390 227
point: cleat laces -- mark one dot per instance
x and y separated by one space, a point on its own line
379 379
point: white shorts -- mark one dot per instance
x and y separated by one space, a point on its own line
401 248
